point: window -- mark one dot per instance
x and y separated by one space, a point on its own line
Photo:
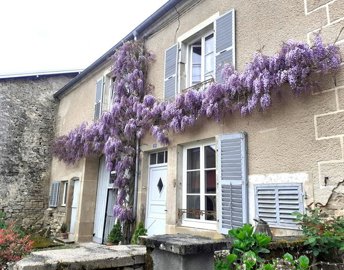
158 158
199 200
201 59
54 194
64 194
276 203
199 54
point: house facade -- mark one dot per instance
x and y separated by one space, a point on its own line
214 175
27 115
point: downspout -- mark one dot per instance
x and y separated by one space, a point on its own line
137 157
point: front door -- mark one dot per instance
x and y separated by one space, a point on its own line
156 210
75 203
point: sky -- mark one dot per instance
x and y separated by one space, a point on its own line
55 35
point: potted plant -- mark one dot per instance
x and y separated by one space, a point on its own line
115 236
63 231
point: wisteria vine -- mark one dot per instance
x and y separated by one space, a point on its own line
136 112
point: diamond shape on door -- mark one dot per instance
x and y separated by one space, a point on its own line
160 185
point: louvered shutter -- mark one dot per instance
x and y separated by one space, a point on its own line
232 164
276 203
54 194
170 82
99 98
224 42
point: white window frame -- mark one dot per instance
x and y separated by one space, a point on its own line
65 193
198 223
189 65
156 158
184 42
276 185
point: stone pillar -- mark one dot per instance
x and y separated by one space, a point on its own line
182 252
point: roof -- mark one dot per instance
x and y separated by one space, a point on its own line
39 73
131 35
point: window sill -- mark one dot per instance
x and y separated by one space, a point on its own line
200 224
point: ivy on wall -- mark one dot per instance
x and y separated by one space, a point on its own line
135 112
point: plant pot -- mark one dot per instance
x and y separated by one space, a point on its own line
64 235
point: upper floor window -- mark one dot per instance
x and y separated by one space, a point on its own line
199 54
202 64
104 95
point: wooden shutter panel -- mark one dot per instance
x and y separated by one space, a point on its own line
54 194
232 199
276 203
224 42
170 82
99 99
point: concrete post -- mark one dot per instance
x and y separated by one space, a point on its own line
182 252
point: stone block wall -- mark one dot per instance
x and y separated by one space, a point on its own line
329 126
27 113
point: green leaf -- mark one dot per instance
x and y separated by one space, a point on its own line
269 267
288 257
263 250
231 258
304 262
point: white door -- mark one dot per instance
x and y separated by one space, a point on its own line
156 210
102 193
75 203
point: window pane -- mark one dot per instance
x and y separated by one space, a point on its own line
209 44
209 63
160 157
152 159
193 206
196 64
210 181
165 156
210 207
193 158
193 182
209 156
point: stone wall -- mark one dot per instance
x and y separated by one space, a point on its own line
329 190
27 113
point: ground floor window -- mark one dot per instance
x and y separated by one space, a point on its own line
199 189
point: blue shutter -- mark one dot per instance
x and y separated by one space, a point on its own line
99 99
54 194
232 164
170 82
276 203
224 42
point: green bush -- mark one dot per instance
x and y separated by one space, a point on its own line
2 220
140 231
324 235
116 236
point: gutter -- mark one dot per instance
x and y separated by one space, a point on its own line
134 33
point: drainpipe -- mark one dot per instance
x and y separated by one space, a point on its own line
136 176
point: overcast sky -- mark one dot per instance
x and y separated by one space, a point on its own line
53 35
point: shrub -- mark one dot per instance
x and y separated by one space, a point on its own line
12 245
324 235
115 236
63 228
2 220
140 231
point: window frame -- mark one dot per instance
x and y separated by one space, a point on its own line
276 186
156 164
64 193
201 223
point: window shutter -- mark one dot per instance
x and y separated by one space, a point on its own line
232 199
54 194
170 82
224 42
276 203
99 98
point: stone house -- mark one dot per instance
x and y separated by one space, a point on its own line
293 153
27 117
